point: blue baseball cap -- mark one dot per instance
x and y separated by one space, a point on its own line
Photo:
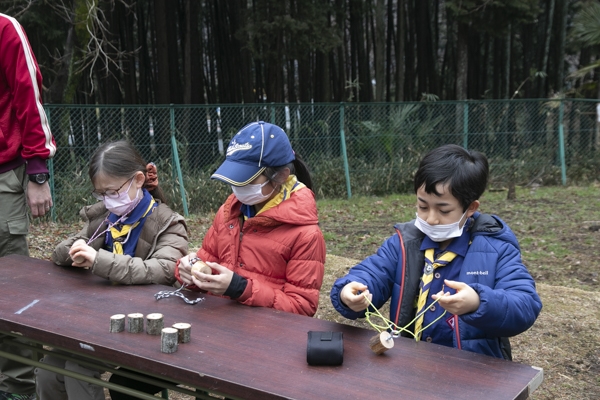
255 147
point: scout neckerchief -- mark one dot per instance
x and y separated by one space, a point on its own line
291 185
123 238
430 265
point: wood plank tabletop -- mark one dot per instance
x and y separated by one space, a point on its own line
248 352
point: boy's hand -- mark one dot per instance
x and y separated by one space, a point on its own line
353 296
82 255
465 300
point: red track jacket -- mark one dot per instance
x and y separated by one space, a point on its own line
24 130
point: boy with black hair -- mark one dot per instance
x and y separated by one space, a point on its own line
468 261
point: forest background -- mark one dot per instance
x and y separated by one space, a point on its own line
253 51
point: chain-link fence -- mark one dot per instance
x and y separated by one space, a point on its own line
351 148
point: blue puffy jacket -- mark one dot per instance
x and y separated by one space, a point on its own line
509 303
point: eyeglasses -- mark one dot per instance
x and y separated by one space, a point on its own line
110 193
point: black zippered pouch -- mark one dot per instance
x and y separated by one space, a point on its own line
325 348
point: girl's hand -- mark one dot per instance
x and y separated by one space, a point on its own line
217 283
82 255
353 296
465 300
185 269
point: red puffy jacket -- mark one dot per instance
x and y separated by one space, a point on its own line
281 252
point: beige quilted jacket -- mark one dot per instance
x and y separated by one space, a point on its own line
162 242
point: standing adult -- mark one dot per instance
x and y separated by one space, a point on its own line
25 144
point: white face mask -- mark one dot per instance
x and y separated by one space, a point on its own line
122 204
251 194
440 233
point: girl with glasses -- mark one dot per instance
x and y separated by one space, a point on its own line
130 237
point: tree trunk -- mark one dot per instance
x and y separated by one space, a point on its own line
126 25
175 90
528 53
506 68
422 25
193 72
323 81
388 55
357 29
341 77
547 36
462 61
400 47
379 34
60 83
163 87
561 33
143 57
410 81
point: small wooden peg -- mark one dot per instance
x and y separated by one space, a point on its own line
184 330
117 323
168 340
381 342
154 323
135 322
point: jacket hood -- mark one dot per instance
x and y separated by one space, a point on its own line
492 225
299 209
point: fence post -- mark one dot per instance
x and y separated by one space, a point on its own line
466 124
344 154
51 170
561 142
176 161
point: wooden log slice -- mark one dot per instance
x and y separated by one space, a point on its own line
168 340
117 323
381 342
200 266
154 324
135 323
184 331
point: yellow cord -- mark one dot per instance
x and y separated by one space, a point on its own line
392 326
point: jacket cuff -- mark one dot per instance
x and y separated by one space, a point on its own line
236 287
36 165
247 292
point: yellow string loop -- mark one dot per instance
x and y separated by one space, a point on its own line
392 326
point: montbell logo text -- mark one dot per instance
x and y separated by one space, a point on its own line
235 146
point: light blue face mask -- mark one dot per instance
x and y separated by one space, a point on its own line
440 233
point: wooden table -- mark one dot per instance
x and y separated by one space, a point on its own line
240 351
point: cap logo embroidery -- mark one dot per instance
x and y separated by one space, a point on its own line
235 146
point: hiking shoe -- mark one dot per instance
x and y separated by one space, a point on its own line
14 396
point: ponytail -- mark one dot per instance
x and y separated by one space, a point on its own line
302 172
297 167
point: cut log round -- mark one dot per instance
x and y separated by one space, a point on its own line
381 342
200 266
135 322
154 324
168 340
184 330
117 323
